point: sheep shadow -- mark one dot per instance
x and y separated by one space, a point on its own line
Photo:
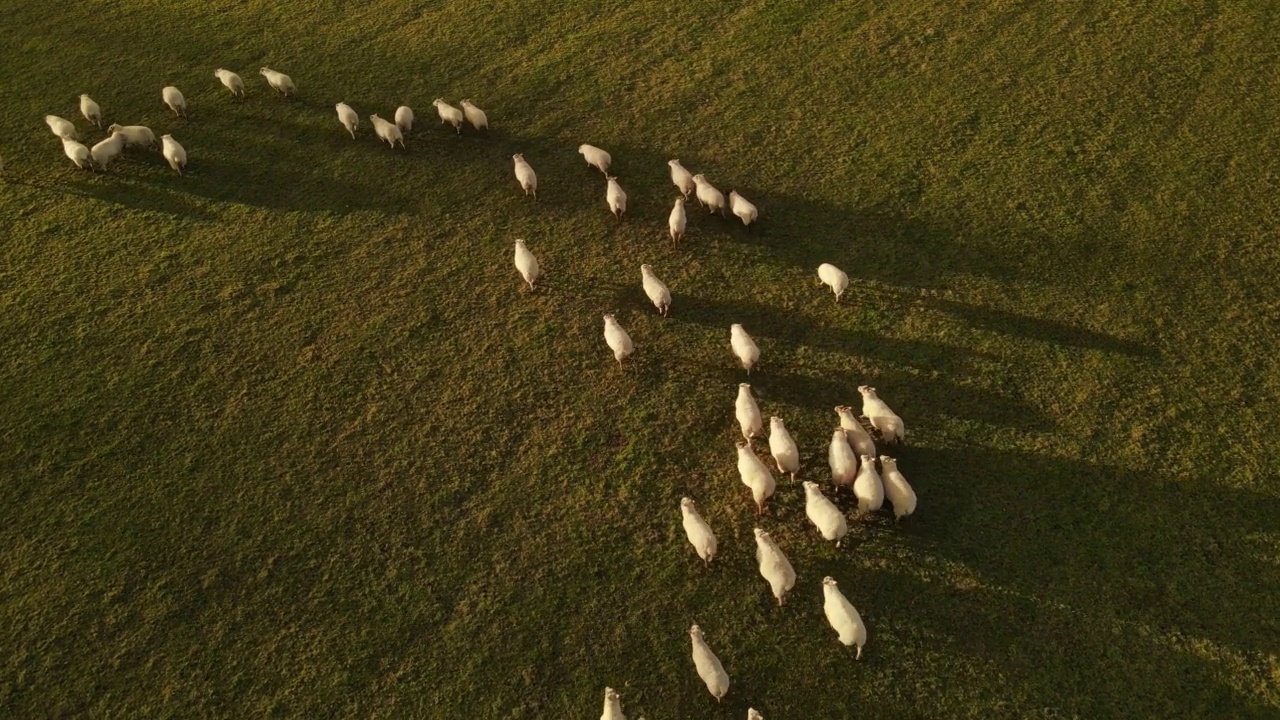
1048 331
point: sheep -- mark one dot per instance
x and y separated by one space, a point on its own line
698 531
348 117
748 413
844 618
824 514
231 80
708 665
890 426
783 448
708 196
174 153
107 150
78 154
616 197
867 486
844 465
475 115
774 566
527 264
135 135
743 208
404 119
62 128
91 111
449 114
387 131
279 81
657 291
617 339
753 715
833 277
612 706
857 435
172 97
896 488
744 348
676 223
595 157
682 178
526 176
755 475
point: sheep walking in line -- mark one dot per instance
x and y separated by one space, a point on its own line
858 437
743 208
595 157
681 178
617 339
62 128
886 421
174 153
77 153
107 150
844 618
657 290
527 178
698 531
387 131
774 566
612 706
867 487
527 264
824 514
844 465
748 413
616 197
834 278
896 488
708 196
755 475
135 135
404 119
449 114
744 348
279 82
783 448
477 117
231 81
172 97
709 667
91 111
348 117
676 223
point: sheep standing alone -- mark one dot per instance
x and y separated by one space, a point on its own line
867 487
526 176
774 566
824 514
449 114
858 437
708 665
174 153
676 223
657 290
475 116
891 427
279 81
135 135
617 339
755 475
172 97
612 706
833 277
698 531
62 128
744 348
616 197
404 119
231 80
708 196
844 465
348 117
387 131
78 154
681 178
896 488
783 448
595 157
753 715
90 110
527 264
747 412
743 208
844 618
107 150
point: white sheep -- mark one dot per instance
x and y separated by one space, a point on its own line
774 566
743 208
475 115
348 117
612 706
107 150
682 178
859 439
891 427
449 114
62 128
844 465
867 487
174 153
698 531
824 514
616 197
527 264
279 81
844 618
172 97
387 131
755 475
783 448
78 153
404 119
657 290
708 196
617 339
676 223
896 488
744 348
90 110
748 413
708 665
135 135
526 176
833 277
231 80
753 715
595 157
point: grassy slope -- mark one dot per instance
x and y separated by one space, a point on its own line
283 437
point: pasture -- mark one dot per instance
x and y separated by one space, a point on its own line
289 437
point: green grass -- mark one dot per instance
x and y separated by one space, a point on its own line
284 437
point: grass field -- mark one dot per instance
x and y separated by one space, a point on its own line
286 438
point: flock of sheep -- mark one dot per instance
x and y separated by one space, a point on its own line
851 453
